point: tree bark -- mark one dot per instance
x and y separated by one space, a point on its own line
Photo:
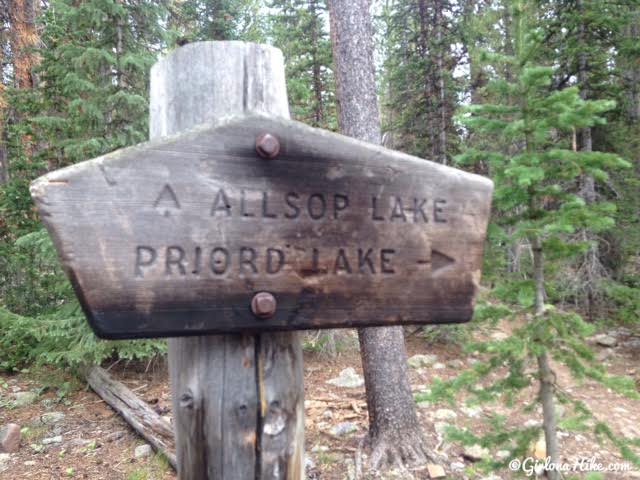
394 434
591 266
443 107
633 68
547 378
237 399
23 38
4 61
317 79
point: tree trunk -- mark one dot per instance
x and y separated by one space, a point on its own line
633 68
317 79
547 378
428 79
590 271
237 399
394 434
443 108
23 38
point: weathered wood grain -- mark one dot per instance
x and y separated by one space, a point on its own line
149 425
174 237
238 400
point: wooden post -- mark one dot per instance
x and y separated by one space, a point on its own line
237 399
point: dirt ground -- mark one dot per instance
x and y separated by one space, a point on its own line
95 443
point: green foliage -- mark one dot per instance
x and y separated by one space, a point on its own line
51 328
446 334
538 175
94 94
419 89
626 299
197 20
298 28
91 98
62 339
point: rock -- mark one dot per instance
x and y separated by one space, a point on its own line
418 361
51 440
633 343
142 451
9 438
348 378
440 428
532 422
344 428
78 442
540 449
456 363
475 452
439 366
435 471
471 412
445 414
605 340
351 469
539 469
22 399
112 437
503 454
604 355
457 466
309 463
498 336
4 461
51 418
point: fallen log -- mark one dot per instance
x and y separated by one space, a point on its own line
149 425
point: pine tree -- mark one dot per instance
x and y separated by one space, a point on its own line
5 50
201 20
90 98
298 28
586 38
95 73
537 196
420 93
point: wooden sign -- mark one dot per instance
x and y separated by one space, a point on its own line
178 236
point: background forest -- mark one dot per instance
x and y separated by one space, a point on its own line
543 97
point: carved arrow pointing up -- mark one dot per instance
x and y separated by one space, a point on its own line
197 224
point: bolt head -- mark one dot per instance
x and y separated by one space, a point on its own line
267 146
263 305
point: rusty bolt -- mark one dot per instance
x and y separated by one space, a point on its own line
263 305
267 146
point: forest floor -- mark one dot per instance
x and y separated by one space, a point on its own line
69 432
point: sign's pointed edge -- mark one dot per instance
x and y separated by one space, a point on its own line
63 175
